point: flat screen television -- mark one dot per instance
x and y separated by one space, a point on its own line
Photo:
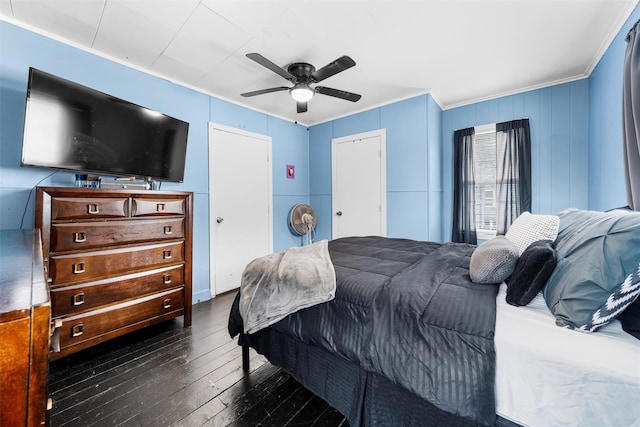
75 128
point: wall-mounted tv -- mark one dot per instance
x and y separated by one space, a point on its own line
75 128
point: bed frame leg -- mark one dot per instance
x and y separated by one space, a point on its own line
245 358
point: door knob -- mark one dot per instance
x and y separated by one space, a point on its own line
339 213
219 220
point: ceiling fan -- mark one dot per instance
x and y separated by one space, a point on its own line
302 75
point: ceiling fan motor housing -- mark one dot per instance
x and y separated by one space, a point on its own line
301 71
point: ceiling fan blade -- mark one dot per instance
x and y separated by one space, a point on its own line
270 65
263 91
340 64
349 96
302 107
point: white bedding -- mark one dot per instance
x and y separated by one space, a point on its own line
551 376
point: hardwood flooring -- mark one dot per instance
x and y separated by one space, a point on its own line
166 375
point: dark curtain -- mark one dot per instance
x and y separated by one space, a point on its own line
464 223
513 172
631 117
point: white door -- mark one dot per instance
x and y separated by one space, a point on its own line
239 203
359 186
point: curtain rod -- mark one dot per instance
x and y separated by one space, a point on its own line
489 124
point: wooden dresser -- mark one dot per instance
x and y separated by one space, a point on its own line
24 329
117 261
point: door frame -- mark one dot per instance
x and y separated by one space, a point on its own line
212 127
382 133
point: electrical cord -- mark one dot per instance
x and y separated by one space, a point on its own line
26 206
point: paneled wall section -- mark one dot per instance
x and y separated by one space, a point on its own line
22 48
606 165
414 186
559 120
576 132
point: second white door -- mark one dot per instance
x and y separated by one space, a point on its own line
359 185
240 203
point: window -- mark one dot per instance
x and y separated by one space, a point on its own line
491 179
484 160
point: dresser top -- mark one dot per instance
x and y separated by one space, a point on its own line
22 281
107 192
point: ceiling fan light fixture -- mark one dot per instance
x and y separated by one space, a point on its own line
302 75
301 92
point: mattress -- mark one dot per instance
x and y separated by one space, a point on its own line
548 375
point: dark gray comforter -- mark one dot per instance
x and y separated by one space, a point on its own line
408 310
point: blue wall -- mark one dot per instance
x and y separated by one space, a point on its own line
575 127
559 121
576 149
606 167
414 185
22 49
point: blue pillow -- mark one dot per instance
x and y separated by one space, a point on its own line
597 253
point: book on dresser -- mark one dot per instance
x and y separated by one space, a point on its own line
116 261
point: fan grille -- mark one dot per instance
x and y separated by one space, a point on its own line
302 219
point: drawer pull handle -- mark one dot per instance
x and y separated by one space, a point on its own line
78 268
167 229
77 330
78 299
80 237
166 303
166 279
160 207
92 208
166 254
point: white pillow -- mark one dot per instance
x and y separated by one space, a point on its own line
528 228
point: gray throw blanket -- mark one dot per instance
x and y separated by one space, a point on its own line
282 283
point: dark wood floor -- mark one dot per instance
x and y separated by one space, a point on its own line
168 375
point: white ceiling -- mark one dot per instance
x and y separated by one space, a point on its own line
459 51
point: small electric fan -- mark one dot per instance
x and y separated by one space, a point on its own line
302 220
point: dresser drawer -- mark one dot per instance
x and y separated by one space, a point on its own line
153 207
83 207
90 265
74 299
108 321
86 235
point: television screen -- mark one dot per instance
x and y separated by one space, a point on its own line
72 127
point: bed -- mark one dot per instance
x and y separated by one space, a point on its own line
407 338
